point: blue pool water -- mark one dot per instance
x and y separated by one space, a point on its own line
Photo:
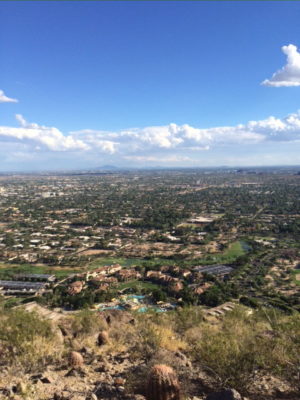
111 308
142 309
245 246
143 306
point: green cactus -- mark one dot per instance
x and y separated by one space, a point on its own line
163 384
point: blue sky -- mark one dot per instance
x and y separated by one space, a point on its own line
145 83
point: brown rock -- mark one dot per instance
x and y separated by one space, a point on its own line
228 394
21 388
46 379
77 372
61 396
119 381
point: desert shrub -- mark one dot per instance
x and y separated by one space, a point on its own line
231 358
149 339
281 356
26 340
10 303
157 332
186 318
122 337
86 323
243 343
249 301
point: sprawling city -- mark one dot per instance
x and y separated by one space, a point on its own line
177 237
167 255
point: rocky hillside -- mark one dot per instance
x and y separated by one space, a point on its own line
184 354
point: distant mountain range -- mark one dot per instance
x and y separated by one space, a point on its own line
106 168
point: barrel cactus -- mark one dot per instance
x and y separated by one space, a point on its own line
75 359
102 338
162 384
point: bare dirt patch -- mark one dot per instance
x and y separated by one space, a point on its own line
94 252
156 249
212 247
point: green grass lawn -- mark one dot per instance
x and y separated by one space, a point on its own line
235 250
128 262
7 271
139 284
229 255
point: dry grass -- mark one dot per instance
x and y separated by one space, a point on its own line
231 350
156 332
27 341
241 344
87 323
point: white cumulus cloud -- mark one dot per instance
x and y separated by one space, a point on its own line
172 143
40 137
289 75
5 99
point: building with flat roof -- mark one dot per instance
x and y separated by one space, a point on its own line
35 277
21 287
215 269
